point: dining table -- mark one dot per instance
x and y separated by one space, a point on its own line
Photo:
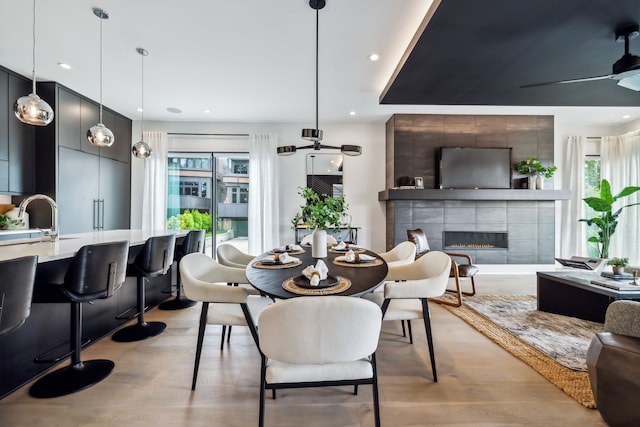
344 278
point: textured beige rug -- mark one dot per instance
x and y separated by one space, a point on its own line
510 310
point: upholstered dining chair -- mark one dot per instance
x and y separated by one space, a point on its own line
401 254
231 256
461 268
319 341
204 279
407 289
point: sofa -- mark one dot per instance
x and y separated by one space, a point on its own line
613 363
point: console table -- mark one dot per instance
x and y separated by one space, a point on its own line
571 293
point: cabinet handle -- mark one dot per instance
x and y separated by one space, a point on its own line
102 214
95 214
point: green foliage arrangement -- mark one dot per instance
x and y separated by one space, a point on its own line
618 262
191 220
321 212
607 220
534 167
7 223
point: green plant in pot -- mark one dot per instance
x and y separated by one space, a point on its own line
534 168
606 219
618 264
320 213
7 223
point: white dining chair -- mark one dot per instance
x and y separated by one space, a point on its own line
319 341
231 256
401 254
407 289
204 279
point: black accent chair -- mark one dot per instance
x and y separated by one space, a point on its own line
154 260
17 277
194 242
96 272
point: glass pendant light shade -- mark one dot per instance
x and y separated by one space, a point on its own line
100 135
31 109
141 150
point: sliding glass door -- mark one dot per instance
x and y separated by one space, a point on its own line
210 191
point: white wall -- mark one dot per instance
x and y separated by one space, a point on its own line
363 175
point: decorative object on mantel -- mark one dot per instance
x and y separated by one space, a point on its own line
318 214
535 171
31 109
141 149
315 135
606 221
100 135
618 264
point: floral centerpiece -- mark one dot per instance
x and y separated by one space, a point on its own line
320 213
533 168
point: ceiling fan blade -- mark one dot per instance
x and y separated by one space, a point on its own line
585 79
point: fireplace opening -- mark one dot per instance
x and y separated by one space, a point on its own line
475 240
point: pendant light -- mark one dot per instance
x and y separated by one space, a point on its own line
31 109
100 135
141 149
315 135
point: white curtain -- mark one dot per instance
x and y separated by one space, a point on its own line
573 240
620 159
154 205
264 216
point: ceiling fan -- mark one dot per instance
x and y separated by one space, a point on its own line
626 70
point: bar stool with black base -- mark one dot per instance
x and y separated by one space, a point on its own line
96 272
154 260
194 242
16 287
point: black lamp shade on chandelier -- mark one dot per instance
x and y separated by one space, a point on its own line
315 135
30 109
100 135
141 149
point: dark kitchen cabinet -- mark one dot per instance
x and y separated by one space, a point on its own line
92 185
17 156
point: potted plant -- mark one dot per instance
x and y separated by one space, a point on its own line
319 213
7 223
618 264
535 171
607 220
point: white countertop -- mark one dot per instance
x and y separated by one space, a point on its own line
68 244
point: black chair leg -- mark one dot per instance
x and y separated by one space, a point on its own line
355 390
224 332
78 375
201 328
374 385
142 330
404 332
262 390
427 327
410 332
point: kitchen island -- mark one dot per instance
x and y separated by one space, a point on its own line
45 334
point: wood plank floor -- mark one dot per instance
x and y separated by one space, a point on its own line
479 383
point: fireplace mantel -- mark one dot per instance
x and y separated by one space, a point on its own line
426 194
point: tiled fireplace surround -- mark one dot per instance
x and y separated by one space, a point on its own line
413 142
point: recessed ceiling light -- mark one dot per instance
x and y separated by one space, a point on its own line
174 110
206 111
352 113
139 110
64 65
626 116
374 57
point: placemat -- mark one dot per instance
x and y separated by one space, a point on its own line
272 252
343 285
374 263
259 264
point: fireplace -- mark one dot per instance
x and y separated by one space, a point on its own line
475 240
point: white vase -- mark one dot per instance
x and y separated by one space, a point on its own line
540 182
532 182
319 246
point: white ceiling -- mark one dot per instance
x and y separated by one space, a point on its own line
244 60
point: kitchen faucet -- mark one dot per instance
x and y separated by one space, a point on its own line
52 233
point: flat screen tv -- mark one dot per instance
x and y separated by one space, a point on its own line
471 167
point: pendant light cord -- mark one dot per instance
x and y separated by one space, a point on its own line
142 101
33 62
101 19
317 31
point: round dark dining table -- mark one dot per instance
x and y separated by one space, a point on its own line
364 279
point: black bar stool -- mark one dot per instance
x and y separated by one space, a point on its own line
16 287
96 272
194 242
154 260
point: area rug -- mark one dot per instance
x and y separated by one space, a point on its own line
554 345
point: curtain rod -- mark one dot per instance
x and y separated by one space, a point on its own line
207 134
